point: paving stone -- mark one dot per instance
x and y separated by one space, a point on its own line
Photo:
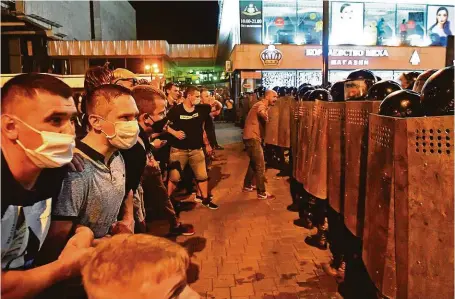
219 293
202 285
266 284
224 281
245 289
228 268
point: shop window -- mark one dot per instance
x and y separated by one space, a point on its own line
271 79
309 25
314 77
338 75
60 66
380 24
280 21
384 75
115 63
97 62
440 24
346 23
411 24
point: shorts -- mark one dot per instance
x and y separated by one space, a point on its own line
179 158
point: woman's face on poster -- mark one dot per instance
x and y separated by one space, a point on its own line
347 13
442 16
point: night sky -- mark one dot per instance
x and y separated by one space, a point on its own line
178 22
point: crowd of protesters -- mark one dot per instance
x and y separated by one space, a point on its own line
82 172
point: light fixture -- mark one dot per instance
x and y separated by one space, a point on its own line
197 73
215 78
197 81
147 67
155 65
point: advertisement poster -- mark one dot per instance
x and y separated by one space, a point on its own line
251 22
440 24
347 23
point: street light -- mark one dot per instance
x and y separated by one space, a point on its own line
155 66
147 67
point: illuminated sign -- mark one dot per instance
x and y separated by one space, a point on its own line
271 56
349 52
415 59
250 22
341 56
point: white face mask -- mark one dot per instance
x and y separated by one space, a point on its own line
125 135
56 150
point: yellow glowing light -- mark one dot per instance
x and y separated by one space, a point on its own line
147 67
155 65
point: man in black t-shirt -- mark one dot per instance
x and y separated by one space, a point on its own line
143 174
187 121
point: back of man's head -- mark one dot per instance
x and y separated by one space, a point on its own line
25 87
146 96
96 76
132 266
168 86
99 99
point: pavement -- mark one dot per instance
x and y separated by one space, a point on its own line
249 248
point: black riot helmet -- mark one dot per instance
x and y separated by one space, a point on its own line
306 95
401 103
337 91
293 91
282 91
421 79
260 91
303 85
380 90
408 79
321 95
357 85
276 89
437 94
303 91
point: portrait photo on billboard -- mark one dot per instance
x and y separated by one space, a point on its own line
347 23
440 23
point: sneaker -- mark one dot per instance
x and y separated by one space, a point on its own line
266 195
199 198
249 189
210 205
182 229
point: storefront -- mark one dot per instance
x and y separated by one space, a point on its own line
280 40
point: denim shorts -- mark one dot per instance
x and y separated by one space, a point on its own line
180 157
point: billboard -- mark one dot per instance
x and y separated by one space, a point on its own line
251 22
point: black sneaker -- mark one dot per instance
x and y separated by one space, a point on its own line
199 198
182 229
210 205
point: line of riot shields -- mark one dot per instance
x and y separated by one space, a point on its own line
372 170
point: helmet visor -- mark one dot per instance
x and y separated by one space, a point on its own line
356 89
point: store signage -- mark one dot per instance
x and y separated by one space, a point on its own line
228 67
340 53
271 56
247 86
279 22
251 22
415 59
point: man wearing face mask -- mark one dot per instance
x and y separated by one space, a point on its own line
188 121
34 148
139 159
96 196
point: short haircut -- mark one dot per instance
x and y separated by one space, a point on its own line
145 97
190 90
26 86
132 262
269 91
96 76
204 89
168 86
98 99
123 74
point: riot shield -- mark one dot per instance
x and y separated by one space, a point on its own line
284 128
356 152
305 123
335 155
272 126
408 229
294 122
317 152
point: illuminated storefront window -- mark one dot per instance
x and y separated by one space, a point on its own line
440 24
411 24
314 77
280 21
379 26
309 26
271 79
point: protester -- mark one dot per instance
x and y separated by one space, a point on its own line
34 148
172 94
139 159
216 108
96 196
188 120
139 267
252 138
